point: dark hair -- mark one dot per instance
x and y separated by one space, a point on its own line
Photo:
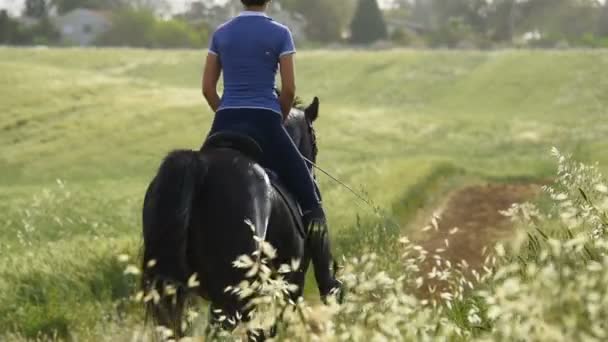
254 2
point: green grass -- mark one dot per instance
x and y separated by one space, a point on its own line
394 123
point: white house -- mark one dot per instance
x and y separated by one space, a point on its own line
82 26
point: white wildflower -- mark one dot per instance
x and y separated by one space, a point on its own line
243 262
601 188
295 264
132 270
193 281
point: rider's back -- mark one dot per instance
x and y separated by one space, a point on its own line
249 47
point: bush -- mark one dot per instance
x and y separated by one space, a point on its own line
402 37
130 28
141 28
456 33
44 33
591 40
178 34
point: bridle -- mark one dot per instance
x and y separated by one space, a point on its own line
313 138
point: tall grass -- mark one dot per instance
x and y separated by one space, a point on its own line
549 283
397 122
59 271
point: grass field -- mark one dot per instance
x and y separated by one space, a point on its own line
397 124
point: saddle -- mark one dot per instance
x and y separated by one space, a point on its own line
235 141
250 148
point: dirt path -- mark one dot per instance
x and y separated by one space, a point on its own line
474 210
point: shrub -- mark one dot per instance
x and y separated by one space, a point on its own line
141 28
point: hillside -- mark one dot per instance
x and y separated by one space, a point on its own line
76 114
398 124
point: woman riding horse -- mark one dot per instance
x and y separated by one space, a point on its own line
248 50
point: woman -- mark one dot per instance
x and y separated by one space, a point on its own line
248 50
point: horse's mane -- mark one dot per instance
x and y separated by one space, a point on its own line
297 102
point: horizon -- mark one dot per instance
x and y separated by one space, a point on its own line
15 7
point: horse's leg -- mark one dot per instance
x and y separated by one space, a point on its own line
168 312
221 321
299 277
216 324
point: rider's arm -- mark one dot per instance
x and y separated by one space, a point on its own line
288 83
211 76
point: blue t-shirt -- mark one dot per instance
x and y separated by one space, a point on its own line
249 47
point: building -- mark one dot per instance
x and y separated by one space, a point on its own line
82 26
78 27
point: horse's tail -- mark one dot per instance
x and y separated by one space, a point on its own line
166 218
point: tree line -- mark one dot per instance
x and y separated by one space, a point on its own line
134 23
424 23
506 22
459 23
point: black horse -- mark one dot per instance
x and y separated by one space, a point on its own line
194 221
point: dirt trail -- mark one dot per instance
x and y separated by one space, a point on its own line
474 210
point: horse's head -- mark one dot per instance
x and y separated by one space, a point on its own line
299 125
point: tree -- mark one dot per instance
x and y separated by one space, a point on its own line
603 21
483 21
64 6
178 34
156 6
43 33
9 29
198 10
422 13
502 20
368 24
560 20
36 8
14 33
472 13
326 19
141 28
130 28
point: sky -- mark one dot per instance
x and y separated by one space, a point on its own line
15 6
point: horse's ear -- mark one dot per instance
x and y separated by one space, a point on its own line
312 111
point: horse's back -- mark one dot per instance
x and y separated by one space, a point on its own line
245 188
235 202
234 197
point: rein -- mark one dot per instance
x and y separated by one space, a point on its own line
358 195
